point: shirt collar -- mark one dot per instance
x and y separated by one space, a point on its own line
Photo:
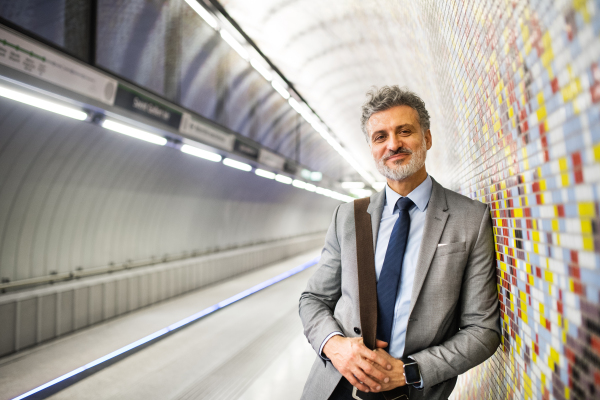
420 196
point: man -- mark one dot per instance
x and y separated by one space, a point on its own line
437 304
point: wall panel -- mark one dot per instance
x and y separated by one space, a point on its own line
518 86
75 196
30 317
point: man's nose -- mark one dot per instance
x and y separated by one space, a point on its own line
394 143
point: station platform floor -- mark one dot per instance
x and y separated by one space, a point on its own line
251 349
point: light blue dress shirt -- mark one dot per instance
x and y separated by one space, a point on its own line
420 196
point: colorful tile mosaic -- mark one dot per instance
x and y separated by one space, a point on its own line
524 80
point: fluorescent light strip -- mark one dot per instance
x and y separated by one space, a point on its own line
195 151
234 44
205 15
236 164
265 174
283 179
160 334
261 69
310 187
43 104
299 184
353 185
280 89
133 132
295 105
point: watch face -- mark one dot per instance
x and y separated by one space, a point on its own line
411 371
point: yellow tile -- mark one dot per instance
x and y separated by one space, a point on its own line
563 164
588 243
555 356
546 40
555 222
548 276
597 152
547 57
540 98
564 180
542 184
586 226
541 113
587 209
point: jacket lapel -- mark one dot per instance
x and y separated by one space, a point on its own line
376 209
435 221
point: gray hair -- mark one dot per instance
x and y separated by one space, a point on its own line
387 97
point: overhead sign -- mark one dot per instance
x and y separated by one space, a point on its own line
138 103
291 167
246 149
205 133
27 56
271 159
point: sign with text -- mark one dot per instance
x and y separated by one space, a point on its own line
246 149
138 103
205 133
27 56
271 159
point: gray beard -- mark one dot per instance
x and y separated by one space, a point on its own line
401 172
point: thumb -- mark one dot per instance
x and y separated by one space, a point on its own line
380 344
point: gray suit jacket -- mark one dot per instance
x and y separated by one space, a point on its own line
454 321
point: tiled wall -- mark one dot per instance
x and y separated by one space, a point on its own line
521 82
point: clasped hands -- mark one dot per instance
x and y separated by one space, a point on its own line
367 370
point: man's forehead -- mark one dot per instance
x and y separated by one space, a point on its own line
395 116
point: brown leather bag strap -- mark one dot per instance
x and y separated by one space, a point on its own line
367 281
367 284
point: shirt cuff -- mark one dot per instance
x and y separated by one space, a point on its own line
420 385
332 334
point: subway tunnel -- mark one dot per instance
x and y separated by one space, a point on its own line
169 170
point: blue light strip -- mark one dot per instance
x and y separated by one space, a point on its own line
171 328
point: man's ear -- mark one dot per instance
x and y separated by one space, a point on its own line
428 139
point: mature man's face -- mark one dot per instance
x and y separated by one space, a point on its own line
397 144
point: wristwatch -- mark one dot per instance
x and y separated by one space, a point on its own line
412 374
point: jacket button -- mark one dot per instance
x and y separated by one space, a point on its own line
357 330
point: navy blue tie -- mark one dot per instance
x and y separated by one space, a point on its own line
389 278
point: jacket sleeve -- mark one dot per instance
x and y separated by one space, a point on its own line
479 334
323 291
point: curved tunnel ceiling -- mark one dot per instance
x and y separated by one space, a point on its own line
334 52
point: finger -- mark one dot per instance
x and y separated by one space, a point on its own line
355 382
376 358
374 371
366 380
380 344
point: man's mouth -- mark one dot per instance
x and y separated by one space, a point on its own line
397 156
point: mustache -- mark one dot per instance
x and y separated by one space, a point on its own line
401 150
